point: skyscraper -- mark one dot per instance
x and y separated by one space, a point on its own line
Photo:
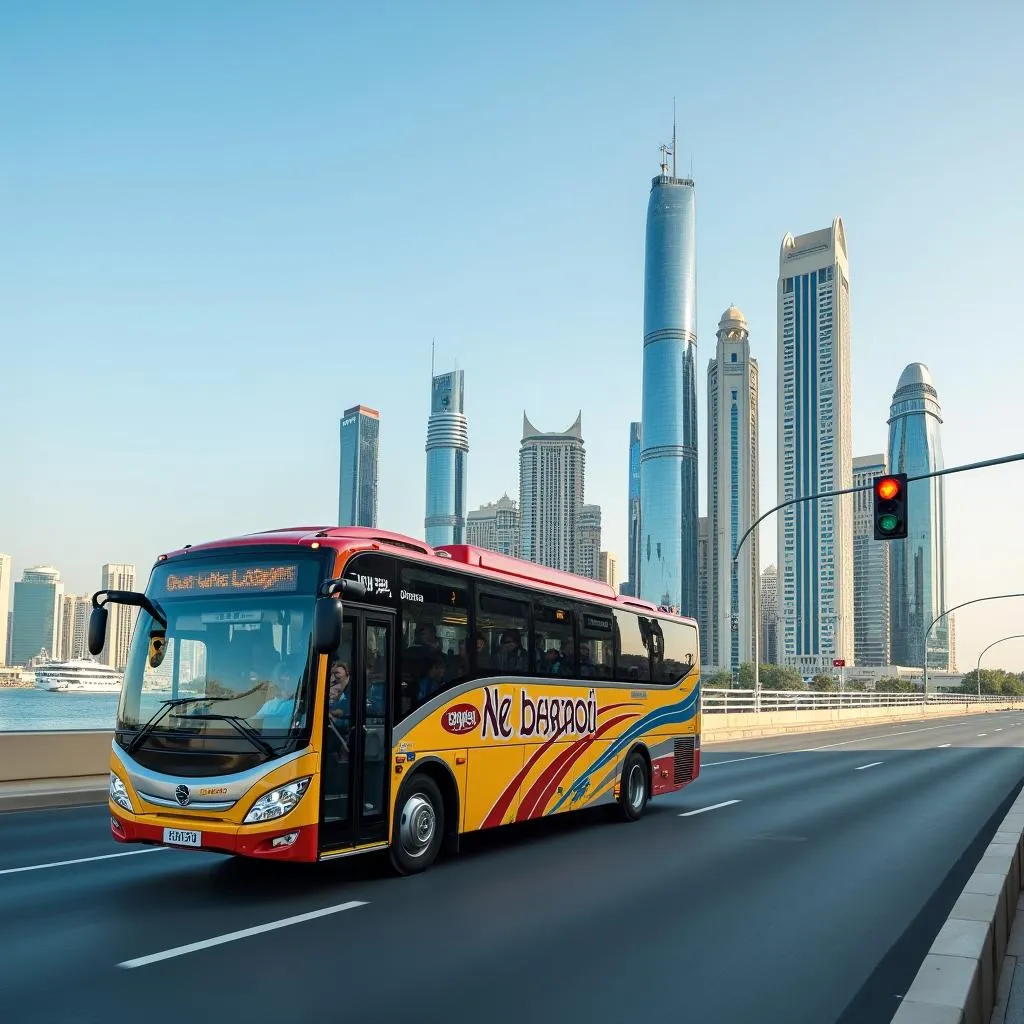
447 452
732 493
918 563
703 587
590 541
551 468
38 605
118 576
360 440
633 516
814 450
5 603
495 526
870 570
609 570
668 457
75 626
769 633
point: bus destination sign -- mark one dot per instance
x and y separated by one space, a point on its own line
238 578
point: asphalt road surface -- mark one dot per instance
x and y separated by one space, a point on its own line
800 879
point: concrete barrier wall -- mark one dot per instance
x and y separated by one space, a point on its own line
41 768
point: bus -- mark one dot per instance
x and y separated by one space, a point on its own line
319 692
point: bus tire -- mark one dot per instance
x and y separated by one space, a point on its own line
635 788
418 829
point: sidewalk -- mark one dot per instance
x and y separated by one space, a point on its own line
1009 1007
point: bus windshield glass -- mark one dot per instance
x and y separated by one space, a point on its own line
232 672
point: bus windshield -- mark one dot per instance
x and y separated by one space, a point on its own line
233 670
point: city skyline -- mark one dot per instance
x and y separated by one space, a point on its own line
283 244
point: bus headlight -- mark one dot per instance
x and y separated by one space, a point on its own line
278 802
119 794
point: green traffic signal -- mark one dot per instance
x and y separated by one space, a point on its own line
890 506
888 523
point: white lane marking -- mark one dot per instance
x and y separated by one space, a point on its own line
713 807
826 746
982 734
1000 729
244 933
873 764
80 860
941 745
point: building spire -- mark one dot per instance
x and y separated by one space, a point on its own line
673 136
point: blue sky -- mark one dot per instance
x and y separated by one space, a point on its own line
224 224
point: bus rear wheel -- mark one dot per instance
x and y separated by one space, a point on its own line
635 787
418 829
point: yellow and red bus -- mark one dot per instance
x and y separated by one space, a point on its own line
312 693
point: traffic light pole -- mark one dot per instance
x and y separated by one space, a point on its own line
1001 640
755 611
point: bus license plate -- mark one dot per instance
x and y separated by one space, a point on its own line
181 837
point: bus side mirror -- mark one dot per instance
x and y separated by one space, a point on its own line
326 625
97 630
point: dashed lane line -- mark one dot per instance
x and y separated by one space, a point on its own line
712 807
243 933
80 860
874 764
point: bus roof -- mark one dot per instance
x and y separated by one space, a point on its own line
481 561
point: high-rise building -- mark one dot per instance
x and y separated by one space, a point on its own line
951 619
5 604
447 455
918 563
74 642
668 457
703 587
590 541
118 576
360 443
633 516
609 572
38 605
495 526
870 570
551 468
732 493
768 635
815 450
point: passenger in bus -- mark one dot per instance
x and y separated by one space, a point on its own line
277 712
511 655
338 695
587 668
433 679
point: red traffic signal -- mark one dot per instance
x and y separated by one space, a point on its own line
890 506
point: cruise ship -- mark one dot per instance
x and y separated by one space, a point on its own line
78 676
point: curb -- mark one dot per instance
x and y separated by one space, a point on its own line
38 794
957 982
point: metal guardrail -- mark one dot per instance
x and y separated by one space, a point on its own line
737 701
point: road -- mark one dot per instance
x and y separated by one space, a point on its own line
807 889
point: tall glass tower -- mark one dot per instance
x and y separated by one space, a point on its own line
357 478
918 564
633 556
668 455
447 452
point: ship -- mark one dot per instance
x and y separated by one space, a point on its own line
77 676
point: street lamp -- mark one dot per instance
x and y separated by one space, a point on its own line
927 632
1001 640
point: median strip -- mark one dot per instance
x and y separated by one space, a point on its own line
244 933
713 807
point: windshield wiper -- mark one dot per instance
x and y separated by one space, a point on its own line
243 727
166 706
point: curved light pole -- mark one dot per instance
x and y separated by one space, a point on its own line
1001 640
927 632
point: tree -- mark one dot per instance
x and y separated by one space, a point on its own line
824 684
720 681
893 685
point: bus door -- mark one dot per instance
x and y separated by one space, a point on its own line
357 733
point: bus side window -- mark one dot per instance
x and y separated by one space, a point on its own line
632 659
435 629
504 623
553 641
597 643
680 651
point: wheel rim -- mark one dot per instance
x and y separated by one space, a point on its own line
418 824
636 787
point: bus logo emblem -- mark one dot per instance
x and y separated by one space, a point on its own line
181 794
461 718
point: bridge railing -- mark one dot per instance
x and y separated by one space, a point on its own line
738 701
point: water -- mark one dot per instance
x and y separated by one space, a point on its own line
40 710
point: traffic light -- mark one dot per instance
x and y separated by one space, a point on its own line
891 506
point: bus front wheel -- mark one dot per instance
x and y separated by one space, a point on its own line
635 788
418 828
